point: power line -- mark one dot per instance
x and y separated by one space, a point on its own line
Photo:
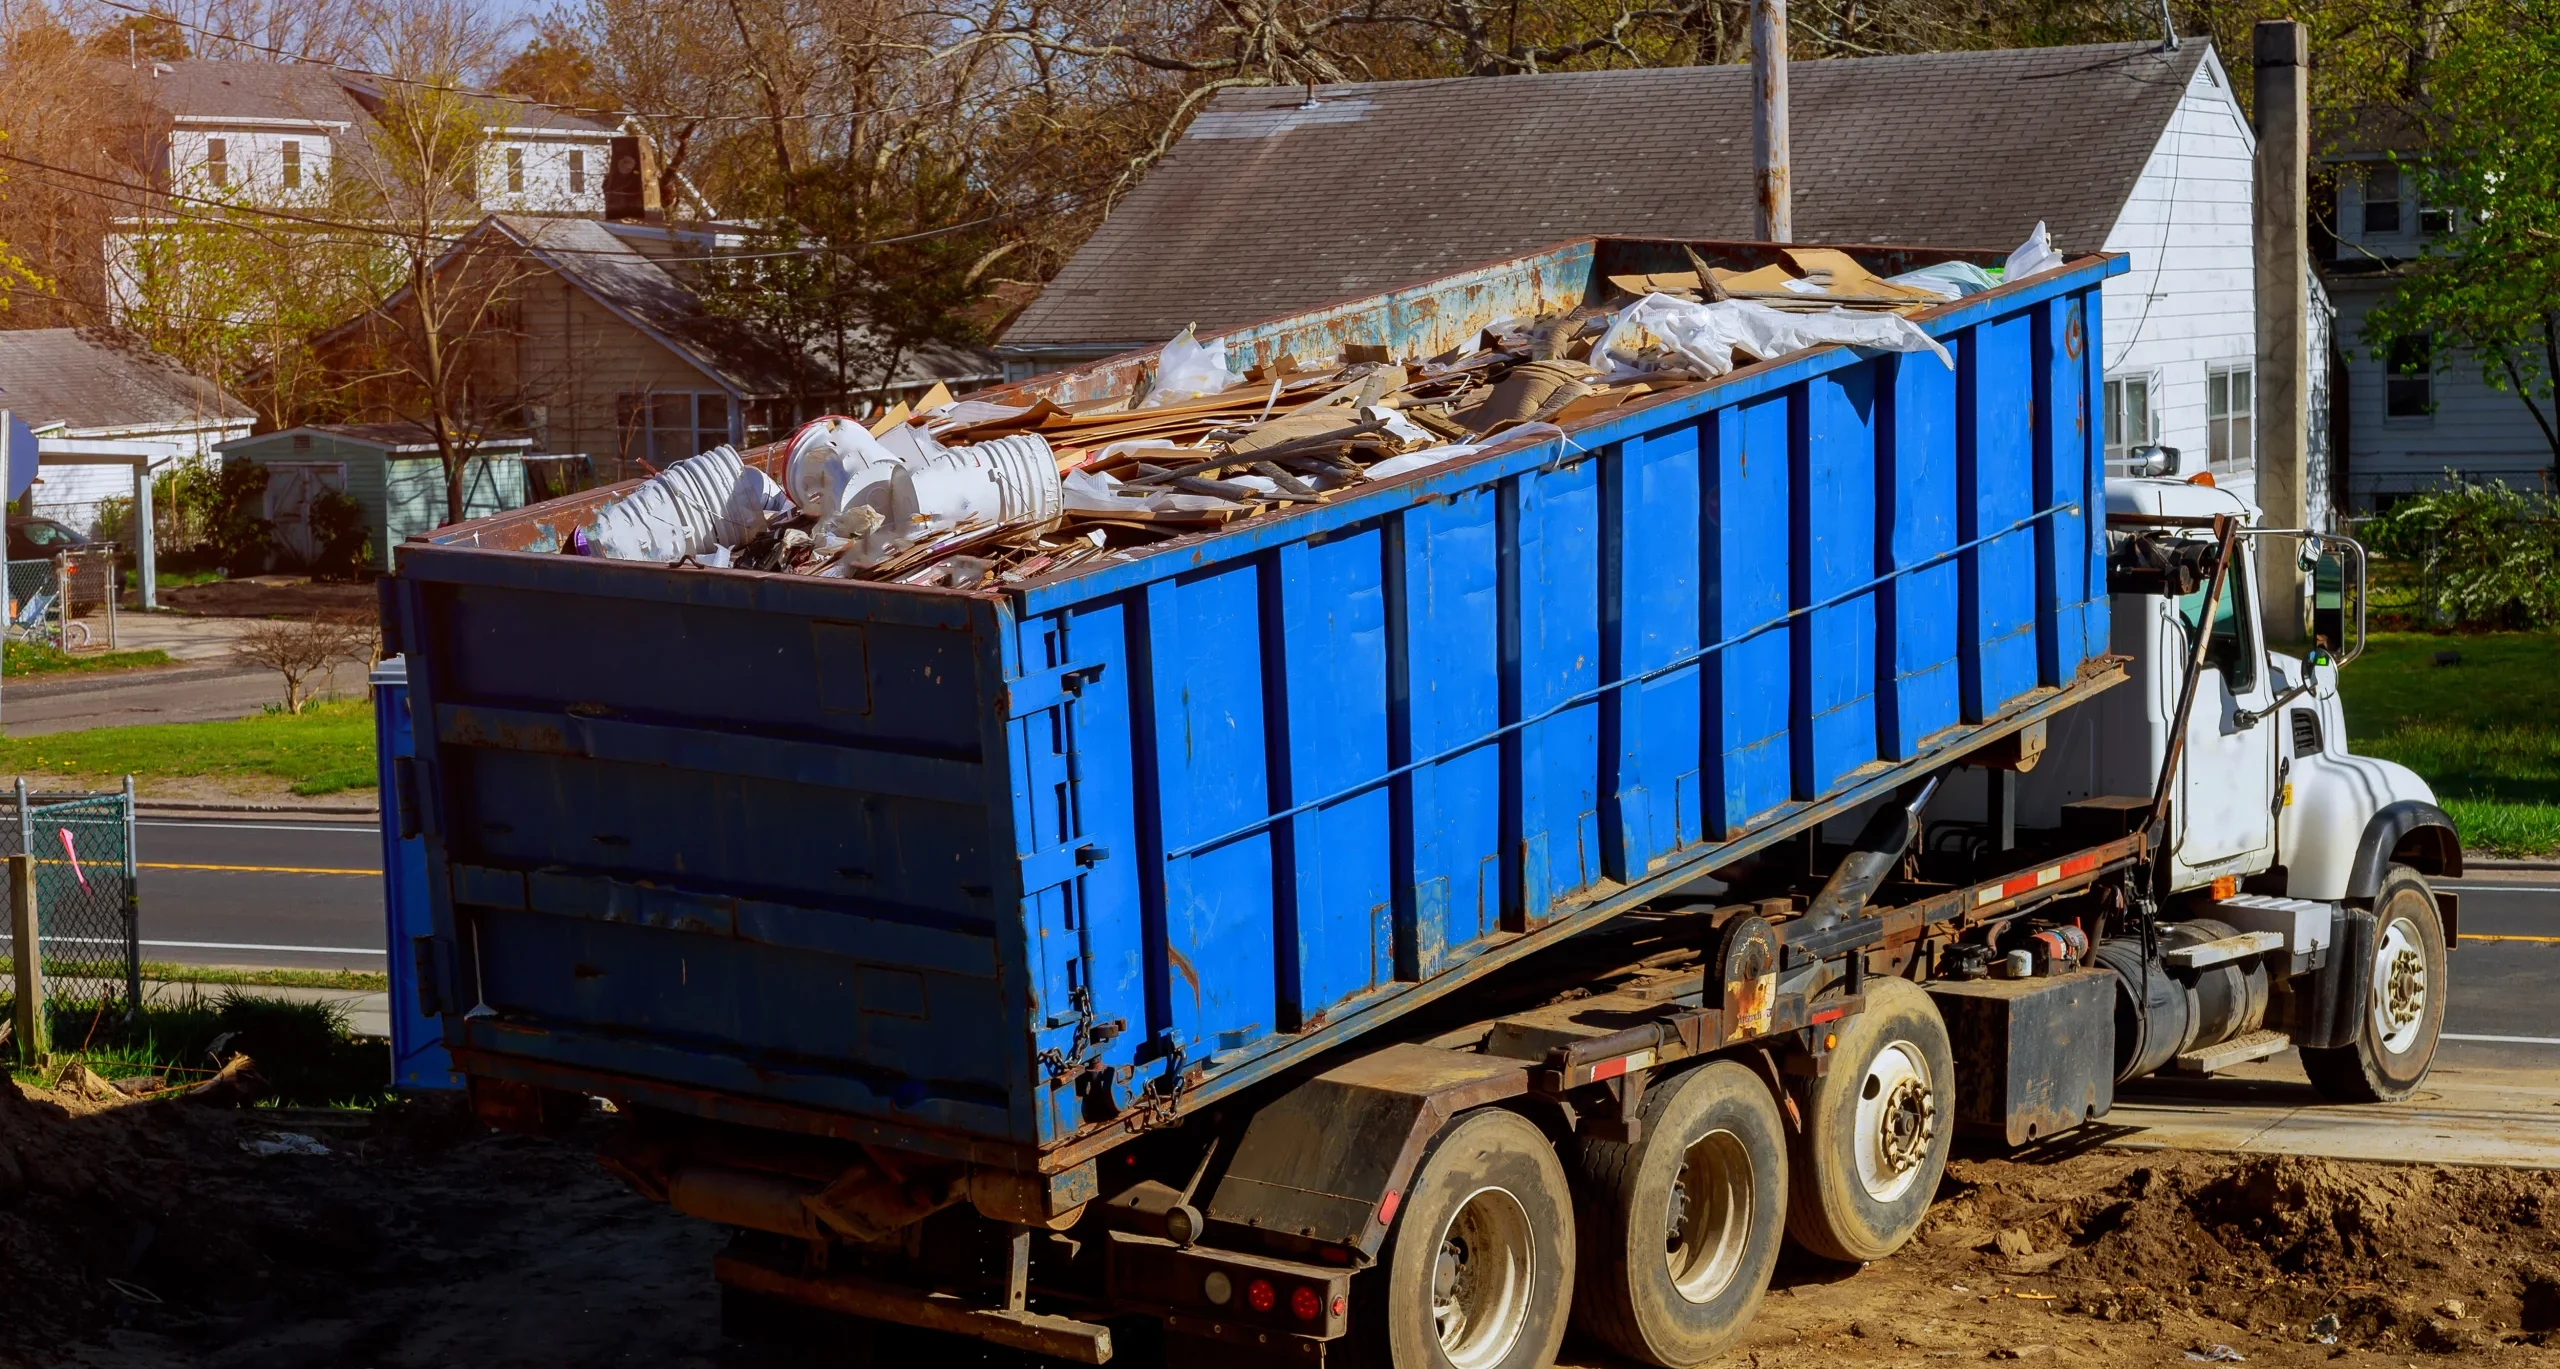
446 242
287 55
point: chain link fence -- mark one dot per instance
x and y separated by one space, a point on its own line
78 591
86 901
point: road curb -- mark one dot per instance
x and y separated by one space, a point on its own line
2471 862
179 808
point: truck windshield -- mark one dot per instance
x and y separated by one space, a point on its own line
2229 651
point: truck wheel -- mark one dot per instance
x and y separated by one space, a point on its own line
1480 1268
1679 1230
2396 1039
1874 1143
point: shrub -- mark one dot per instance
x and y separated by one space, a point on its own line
240 533
2488 556
338 526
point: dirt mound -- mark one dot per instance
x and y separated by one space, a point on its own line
173 1210
2403 1257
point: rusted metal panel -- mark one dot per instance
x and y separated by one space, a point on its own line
1328 1160
1077 1342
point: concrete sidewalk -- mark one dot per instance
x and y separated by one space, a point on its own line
2464 1115
368 1010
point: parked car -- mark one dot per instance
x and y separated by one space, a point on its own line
40 539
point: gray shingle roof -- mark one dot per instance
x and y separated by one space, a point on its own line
627 280
208 88
86 381
203 88
1266 208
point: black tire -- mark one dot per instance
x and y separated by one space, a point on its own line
1485 1237
1897 1050
1714 1152
2386 1066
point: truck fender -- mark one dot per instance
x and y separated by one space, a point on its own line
1329 1160
2412 833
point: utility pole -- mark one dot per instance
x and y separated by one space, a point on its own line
2281 247
1769 154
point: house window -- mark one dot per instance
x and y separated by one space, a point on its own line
2230 403
577 172
2434 219
2408 391
515 171
2382 198
292 164
669 425
217 161
2129 425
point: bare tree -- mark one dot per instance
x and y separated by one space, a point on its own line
437 351
300 648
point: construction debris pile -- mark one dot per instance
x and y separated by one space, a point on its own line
967 492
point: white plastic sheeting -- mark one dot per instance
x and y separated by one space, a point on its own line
1704 337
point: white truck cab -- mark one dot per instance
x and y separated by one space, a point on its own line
2276 833
2267 792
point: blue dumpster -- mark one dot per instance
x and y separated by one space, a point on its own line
418 1059
1014 874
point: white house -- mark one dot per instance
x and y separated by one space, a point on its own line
1281 200
67 383
273 134
544 161
2408 415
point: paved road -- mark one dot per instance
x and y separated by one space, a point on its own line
245 892
2505 1010
187 693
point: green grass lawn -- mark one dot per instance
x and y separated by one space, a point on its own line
35 658
2485 732
325 749
302 1050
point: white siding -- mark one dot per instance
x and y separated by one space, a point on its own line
2320 500
253 161
2481 432
543 167
2189 302
70 493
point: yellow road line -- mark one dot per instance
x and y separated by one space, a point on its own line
2508 936
257 869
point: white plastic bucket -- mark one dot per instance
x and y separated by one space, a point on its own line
1024 470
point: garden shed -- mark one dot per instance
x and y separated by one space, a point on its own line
390 469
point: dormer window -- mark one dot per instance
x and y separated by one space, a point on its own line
217 161
292 164
577 172
515 171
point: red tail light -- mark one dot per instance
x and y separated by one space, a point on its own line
1305 1303
1260 1296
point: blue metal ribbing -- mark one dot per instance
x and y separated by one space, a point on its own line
1598 691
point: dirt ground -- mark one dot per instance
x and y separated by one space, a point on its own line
271 596
152 1234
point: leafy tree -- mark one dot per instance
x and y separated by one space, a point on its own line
2489 287
153 37
554 69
